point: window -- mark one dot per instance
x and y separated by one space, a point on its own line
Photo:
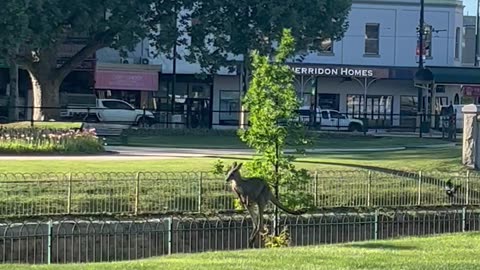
329 101
116 105
337 115
378 107
372 39
325 46
408 111
457 43
324 115
229 107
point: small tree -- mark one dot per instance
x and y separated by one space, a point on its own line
272 104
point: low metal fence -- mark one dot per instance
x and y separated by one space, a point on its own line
162 193
80 241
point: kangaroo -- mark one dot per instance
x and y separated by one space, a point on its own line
253 191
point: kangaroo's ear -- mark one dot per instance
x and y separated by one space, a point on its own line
239 166
234 165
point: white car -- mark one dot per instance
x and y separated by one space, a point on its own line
113 111
331 120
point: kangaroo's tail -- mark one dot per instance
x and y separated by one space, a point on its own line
281 206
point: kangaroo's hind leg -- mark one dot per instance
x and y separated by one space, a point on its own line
251 210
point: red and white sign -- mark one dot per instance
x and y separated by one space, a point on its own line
471 90
126 80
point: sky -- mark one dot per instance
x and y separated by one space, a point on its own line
470 7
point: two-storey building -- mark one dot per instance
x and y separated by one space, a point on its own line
373 65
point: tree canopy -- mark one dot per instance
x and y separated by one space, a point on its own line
222 29
33 31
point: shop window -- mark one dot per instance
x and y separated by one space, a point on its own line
329 101
456 99
229 107
378 107
408 111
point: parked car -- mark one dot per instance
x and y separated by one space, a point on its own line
113 111
458 116
331 120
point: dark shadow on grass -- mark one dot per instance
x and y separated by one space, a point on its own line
411 176
380 246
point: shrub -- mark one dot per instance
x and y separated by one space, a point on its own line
36 140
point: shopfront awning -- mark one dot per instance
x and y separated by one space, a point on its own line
126 80
456 75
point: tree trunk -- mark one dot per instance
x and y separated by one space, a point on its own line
46 96
13 96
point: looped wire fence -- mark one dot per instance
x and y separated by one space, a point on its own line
105 240
26 195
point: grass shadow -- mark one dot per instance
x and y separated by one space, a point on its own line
380 246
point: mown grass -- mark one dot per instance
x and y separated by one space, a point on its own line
320 141
452 252
446 160
341 182
95 191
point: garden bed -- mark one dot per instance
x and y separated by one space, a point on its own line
47 141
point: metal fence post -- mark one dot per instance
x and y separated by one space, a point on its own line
69 194
137 193
369 188
200 186
467 189
375 226
315 187
419 195
169 235
464 216
49 241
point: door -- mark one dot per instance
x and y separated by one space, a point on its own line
339 121
118 112
326 122
198 113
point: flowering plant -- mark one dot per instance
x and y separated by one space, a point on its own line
31 140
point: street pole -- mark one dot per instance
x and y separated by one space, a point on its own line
477 34
420 52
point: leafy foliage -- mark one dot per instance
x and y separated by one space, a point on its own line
33 34
280 241
270 100
222 30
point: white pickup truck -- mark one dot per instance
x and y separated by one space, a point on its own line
112 111
331 120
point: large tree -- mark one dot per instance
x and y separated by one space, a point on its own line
223 30
33 31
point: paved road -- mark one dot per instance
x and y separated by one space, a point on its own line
149 153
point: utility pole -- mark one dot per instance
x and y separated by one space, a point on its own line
477 34
421 29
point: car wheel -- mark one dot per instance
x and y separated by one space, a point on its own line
91 119
354 127
144 122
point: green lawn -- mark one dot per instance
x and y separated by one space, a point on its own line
337 185
452 252
343 141
447 160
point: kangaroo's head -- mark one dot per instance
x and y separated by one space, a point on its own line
234 172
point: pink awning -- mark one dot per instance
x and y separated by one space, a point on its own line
126 80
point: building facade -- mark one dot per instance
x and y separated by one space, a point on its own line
370 71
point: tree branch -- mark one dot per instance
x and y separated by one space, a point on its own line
101 40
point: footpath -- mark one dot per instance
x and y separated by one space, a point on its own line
151 153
